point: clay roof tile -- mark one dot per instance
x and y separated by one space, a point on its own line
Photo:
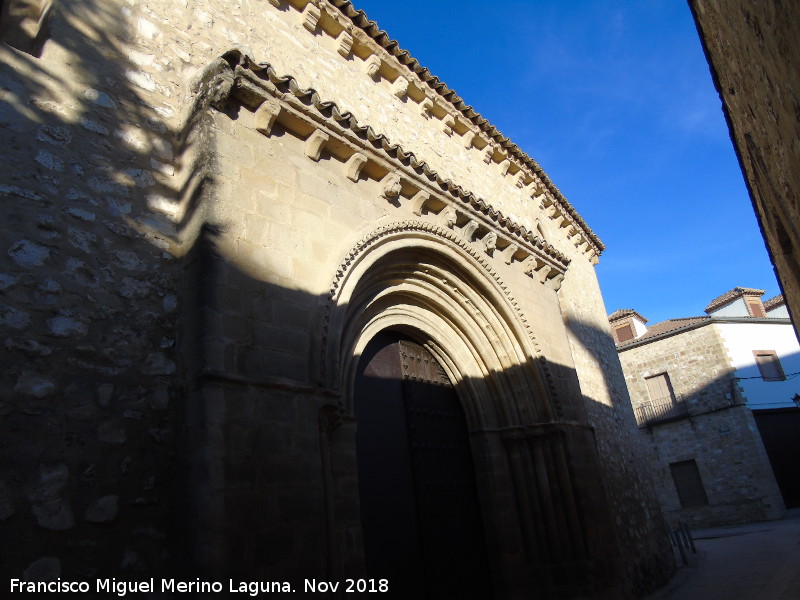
732 295
774 302
668 326
624 312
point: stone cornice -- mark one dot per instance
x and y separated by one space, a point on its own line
406 180
352 26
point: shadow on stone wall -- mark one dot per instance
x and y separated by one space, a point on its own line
739 455
273 498
88 302
153 421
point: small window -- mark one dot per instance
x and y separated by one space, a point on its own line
756 308
624 333
688 484
660 389
769 365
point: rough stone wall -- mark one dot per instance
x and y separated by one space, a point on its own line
719 432
697 363
176 226
752 49
730 458
89 296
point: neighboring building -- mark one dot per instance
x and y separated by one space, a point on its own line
753 50
278 305
702 388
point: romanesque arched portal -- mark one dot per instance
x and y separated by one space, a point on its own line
422 283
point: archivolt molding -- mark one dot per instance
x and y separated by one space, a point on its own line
280 99
330 351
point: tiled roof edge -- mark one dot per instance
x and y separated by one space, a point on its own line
732 295
371 28
774 302
624 312
705 320
236 58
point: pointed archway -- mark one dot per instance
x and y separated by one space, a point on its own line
544 512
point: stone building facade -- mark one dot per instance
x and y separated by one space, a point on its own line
752 50
228 225
694 392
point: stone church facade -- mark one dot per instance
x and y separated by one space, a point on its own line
237 237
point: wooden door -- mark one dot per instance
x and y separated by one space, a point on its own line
419 503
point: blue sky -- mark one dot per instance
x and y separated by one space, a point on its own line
614 99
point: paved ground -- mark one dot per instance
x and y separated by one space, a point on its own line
760 561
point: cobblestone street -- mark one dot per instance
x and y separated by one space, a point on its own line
760 561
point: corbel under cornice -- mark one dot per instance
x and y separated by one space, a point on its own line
259 88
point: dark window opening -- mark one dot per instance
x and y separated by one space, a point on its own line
624 333
769 365
756 308
688 484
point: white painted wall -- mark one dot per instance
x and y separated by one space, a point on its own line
779 312
639 328
741 339
737 308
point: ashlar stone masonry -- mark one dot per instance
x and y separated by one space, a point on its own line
216 213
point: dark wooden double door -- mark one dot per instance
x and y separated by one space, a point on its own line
420 513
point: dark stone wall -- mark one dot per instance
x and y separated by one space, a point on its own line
752 48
